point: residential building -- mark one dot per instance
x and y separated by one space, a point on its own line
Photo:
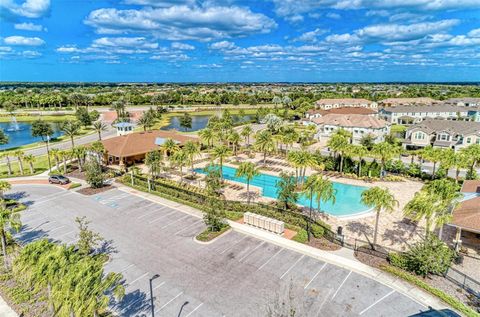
413 114
317 113
466 217
124 128
464 102
132 147
442 133
359 125
393 102
326 104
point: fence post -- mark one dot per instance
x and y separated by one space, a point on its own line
149 185
131 177
464 280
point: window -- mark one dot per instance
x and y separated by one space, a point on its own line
443 137
419 136
469 140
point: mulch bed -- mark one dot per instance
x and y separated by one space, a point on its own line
75 173
368 256
323 244
88 191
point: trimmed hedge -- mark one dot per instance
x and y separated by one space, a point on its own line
451 301
197 198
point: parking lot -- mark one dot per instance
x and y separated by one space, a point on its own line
236 275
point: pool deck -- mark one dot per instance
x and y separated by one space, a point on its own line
394 232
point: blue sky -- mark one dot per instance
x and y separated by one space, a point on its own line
233 40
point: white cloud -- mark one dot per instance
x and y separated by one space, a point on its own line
31 54
29 8
333 15
182 22
311 36
223 45
171 57
5 49
25 41
474 33
162 3
28 27
182 46
136 42
208 66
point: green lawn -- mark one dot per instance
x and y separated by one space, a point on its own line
398 128
40 166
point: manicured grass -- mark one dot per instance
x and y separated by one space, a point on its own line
207 235
40 166
398 128
453 302
30 118
74 185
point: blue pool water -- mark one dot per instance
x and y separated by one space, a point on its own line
348 197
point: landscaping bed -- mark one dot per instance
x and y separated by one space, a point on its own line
88 191
370 257
323 244
207 235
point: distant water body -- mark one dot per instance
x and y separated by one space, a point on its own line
198 122
23 136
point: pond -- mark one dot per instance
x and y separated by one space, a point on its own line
23 135
198 122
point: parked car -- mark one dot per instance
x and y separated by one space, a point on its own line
58 179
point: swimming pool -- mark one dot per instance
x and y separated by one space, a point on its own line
348 197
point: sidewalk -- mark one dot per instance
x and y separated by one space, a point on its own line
5 310
339 258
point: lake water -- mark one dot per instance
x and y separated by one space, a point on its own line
24 135
198 122
348 197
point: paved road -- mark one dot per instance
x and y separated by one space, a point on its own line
236 275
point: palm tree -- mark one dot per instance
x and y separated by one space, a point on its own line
421 206
207 135
339 143
246 131
9 218
319 188
30 159
264 143
71 128
55 154
80 152
385 151
99 127
221 152
6 156
191 149
65 155
146 121
433 155
169 147
19 154
379 199
153 160
234 140
249 171
359 151
472 153
179 159
4 186
460 160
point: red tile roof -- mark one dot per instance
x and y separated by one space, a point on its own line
471 186
140 142
467 215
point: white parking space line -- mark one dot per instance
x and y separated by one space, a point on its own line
138 278
250 252
278 252
53 230
188 227
165 305
36 203
323 266
160 218
126 268
378 301
338 289
149 213
158 286
135 209
194 310
324 301
291 267
232 245
175 221
65 234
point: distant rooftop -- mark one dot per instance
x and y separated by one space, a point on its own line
452 126
351 120
123 125
346 101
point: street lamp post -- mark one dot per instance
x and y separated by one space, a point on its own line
310 217
151 293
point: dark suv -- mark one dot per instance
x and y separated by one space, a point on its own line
58 179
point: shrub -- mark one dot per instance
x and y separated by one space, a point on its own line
93 173
430 256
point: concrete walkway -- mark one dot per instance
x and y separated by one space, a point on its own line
5 310
342 258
